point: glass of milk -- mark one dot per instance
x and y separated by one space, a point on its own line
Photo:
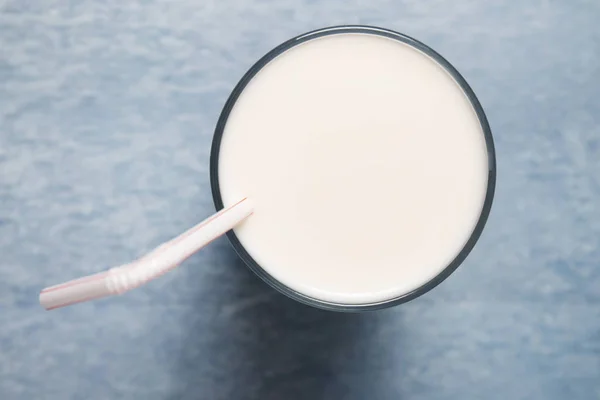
370 164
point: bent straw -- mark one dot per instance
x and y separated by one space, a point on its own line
162 259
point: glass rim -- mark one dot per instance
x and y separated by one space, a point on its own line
491 156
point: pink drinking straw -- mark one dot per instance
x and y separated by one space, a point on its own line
164 258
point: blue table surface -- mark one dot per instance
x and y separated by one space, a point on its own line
107 109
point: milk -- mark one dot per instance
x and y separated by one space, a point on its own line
366 164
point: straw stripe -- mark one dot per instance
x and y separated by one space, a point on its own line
86 279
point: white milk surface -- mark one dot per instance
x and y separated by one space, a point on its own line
366 164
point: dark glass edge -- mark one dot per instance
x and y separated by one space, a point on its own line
475 235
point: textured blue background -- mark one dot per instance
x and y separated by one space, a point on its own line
106 114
